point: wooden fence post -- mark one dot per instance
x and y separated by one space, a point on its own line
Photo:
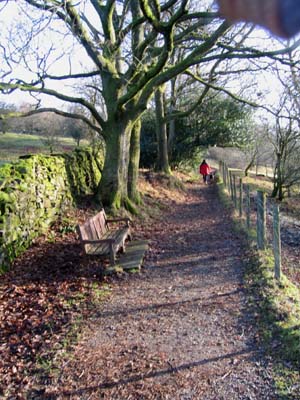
248 207
225 174
234 192
221 169
261 219
241 197
228 178
231 184
277 241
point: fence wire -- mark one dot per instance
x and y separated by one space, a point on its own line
257 212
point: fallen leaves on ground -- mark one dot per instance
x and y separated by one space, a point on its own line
42 298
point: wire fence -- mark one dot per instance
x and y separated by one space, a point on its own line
256 213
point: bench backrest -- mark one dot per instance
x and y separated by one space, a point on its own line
94 228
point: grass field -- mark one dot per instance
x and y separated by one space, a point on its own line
290 205
13 145
264 182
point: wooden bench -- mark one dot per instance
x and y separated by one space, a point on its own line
97 237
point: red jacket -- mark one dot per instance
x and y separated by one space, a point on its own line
204 169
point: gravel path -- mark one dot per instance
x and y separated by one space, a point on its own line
180 329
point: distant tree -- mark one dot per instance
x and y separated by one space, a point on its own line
75 129
218 121
27 125
148 140
5 124
285 135
257 150
286 141
50 127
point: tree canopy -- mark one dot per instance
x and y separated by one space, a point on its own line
129 46
218 121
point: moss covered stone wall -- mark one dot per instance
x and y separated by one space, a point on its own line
36 190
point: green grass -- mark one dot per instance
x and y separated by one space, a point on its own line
276 308
290 205
255 182
259 183
13 145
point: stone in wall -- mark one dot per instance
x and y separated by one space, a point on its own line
36 190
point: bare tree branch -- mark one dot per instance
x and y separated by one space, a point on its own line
70 99
19 114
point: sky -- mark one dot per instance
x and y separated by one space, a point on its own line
11 17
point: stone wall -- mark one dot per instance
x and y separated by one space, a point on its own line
36 190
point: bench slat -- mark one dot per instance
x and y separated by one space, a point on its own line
118 236
100 223
88 231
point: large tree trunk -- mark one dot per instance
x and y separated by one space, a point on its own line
134 160
112 191
161 133
171 137
275 190
280 193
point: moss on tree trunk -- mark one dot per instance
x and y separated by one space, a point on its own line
112 191
161 133
134 159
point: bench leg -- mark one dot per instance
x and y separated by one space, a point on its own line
112 259
112 254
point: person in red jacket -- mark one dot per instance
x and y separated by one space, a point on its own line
204 170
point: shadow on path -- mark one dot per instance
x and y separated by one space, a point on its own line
154 374
180 330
